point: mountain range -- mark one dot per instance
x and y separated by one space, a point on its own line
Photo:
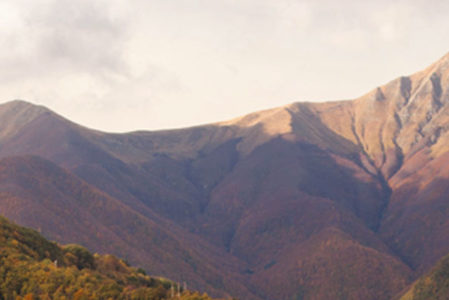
333 200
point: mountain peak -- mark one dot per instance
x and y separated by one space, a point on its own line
19 103
16 114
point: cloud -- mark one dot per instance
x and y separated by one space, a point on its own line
51 38
9 17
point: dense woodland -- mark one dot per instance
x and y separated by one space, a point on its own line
31 267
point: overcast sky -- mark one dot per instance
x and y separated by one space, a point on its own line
122 65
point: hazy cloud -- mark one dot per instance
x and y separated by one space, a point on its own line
52 37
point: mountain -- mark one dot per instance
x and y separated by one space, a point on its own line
335 200
31 267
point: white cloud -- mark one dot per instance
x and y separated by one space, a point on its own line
394 21
63 36
9 17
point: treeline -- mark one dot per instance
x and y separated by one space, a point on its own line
33 268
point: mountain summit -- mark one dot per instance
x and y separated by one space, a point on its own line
336 200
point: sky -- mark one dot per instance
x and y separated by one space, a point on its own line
124 65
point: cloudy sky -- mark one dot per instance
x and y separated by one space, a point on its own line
121 65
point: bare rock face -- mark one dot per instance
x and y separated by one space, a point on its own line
343 199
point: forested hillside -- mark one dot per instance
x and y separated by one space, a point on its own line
432 286
31 267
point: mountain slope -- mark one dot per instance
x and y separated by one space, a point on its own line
39 194
434 285
402 130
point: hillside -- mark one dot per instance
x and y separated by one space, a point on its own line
434 285
31 267
335 200
39 194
